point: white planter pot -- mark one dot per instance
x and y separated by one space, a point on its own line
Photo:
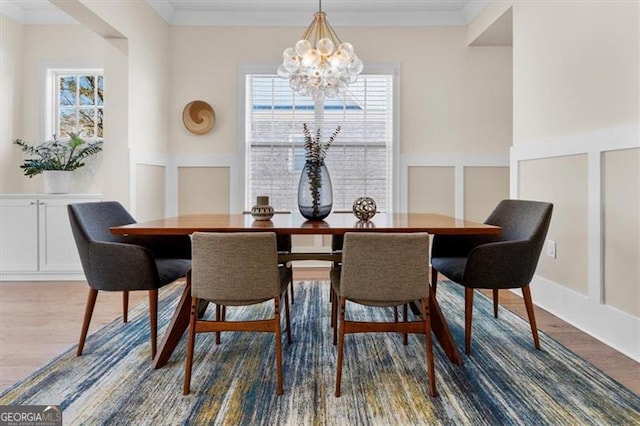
57 181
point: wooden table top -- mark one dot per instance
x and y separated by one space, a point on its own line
294 223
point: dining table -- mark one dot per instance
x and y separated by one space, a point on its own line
286 223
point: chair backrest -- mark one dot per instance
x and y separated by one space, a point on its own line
385 269
521 219
235 268
91 222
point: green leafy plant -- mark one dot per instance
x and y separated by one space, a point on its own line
315 152
57 154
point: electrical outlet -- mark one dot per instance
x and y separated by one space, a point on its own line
551 248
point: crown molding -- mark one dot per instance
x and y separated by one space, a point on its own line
53 16
294 18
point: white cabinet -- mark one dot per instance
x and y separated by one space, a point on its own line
36 242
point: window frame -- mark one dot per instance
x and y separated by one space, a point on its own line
52 97
242 175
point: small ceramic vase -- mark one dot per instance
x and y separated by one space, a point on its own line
262 210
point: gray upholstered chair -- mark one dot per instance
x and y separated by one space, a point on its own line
237 269
383 270
503 261
124 263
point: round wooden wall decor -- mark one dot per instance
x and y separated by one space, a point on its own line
198 117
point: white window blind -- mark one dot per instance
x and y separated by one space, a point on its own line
359 161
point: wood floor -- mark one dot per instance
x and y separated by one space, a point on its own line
39 320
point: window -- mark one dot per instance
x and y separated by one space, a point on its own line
360 160
76 102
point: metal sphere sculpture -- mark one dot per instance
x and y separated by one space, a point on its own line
364 208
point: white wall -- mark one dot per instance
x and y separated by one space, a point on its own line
11 54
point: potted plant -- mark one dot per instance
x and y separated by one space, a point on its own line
56 159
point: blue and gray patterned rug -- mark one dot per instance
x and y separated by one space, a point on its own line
504 381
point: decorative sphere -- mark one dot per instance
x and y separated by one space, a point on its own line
364 208
355 67
325 46
289 53
302 46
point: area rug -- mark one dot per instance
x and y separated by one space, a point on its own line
504 381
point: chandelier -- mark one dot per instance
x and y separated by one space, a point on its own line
320 65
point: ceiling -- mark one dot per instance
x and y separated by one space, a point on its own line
276 12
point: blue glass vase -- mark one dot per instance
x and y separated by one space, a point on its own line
315 194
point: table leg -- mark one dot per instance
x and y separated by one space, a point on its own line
177 327
441 330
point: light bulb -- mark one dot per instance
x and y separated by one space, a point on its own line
291 64
311 58
348 48
355 67
288 53
282 72
325 46
302 46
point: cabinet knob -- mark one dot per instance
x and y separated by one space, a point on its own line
42 203
33 203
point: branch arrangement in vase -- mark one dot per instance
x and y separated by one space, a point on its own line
57 154
315 152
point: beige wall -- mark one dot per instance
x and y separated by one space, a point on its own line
575 67
621 245
203 190
11 54
575 80
43 46
150 200
484 188
454 99
149 73
563 182
432 189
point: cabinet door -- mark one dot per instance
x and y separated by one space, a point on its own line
58 250
18 235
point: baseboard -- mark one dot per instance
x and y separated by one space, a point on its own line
42 276
611 326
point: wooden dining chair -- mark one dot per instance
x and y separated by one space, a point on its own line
124 263
382 270
237 269
495 262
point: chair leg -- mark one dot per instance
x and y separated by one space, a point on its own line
526 293
340 346
291 288
125 306
153 320
279 390
193 318
287 320
405 318
495 302
218 318
429 346
468 312
334 316
434 280
88 312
